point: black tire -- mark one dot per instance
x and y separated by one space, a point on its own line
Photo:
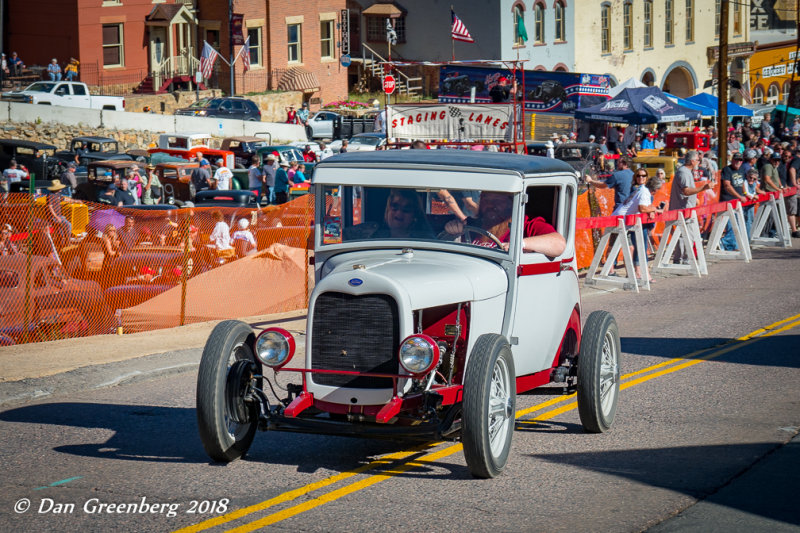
598 372
486 449
225 369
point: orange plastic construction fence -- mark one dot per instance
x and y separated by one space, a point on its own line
141 270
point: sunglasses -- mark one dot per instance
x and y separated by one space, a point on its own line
405 208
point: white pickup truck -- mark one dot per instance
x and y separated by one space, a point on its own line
65 93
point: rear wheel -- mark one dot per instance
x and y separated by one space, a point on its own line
227 414
488 407
598 372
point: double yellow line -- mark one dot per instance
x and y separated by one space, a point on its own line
397 463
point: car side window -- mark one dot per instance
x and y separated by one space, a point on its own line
543 202
237 105
225 106
79 90
62 90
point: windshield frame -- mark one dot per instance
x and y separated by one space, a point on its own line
494 254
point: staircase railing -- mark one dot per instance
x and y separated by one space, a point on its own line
184 64
375 67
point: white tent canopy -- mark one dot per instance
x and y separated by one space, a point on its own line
630 83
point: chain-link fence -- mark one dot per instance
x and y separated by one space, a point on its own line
126 269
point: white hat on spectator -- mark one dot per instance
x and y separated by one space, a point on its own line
243 223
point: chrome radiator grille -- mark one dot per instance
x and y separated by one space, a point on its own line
357 333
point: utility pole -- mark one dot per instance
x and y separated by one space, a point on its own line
722 85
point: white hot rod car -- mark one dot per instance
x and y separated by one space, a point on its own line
422 325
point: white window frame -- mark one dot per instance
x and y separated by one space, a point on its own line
257 46
298 44
330 40
120 45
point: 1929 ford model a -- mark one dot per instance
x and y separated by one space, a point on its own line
419 327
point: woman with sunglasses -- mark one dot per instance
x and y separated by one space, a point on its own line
640 201
404 217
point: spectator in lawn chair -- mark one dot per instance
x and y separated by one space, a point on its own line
243 240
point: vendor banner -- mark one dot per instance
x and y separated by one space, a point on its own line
542 92
451 121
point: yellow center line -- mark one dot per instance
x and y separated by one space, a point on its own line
679 364
344 491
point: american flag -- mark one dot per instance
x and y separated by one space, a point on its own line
246 54
459 31
207 59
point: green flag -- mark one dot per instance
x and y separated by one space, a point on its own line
522 34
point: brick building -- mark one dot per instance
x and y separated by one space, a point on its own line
151 45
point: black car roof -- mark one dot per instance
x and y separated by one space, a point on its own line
27 144
524 164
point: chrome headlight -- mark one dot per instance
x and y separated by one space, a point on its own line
275 347
418 354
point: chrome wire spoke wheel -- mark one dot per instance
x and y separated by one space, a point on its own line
609 374
488 406
598 372
499 403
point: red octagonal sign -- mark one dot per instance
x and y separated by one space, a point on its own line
389 84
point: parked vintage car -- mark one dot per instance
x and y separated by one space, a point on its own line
187 145
654 162
176 180
584 157
59 304
149 269
97 181
38 158
366 142
440 335
87 149
244 148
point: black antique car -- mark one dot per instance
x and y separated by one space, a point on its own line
84 150
582 156
38 158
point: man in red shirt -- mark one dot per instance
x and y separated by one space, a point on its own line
494 216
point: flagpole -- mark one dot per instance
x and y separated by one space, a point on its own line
230 39
452 40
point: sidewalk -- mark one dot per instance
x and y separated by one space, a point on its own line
33 361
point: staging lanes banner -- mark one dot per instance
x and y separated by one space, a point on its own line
451 121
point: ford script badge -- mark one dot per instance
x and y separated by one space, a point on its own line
355 282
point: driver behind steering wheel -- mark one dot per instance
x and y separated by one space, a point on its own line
494 217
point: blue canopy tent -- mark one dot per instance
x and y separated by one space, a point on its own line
709 100
641 105
705 111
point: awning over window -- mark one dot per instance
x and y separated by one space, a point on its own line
385 9
298 79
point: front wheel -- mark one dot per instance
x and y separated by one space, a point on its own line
227 413
598 372
489 406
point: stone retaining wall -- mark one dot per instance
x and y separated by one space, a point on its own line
272 105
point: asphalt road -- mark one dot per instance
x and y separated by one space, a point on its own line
705 440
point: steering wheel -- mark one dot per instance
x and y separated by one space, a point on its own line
467 235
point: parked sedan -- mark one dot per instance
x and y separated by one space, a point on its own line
223 107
